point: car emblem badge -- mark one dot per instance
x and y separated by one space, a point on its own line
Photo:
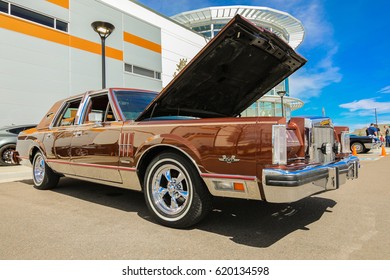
229 159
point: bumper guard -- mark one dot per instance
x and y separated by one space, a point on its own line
288 186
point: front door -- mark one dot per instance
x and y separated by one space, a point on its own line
94 146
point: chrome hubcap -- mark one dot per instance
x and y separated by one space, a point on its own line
170 189
39 169
358 148
7 156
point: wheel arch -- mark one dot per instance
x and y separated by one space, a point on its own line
33 152
154 151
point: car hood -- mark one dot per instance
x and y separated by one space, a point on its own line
241 64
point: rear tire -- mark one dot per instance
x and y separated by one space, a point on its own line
174 192
43 176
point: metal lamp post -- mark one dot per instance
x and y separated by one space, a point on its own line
282 93
104 29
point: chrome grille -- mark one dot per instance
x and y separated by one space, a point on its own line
320 136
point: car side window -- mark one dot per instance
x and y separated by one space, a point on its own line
68 115
98 109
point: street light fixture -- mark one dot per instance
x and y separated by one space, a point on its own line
282 93
104 29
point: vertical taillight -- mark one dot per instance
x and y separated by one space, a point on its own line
279 144
345 142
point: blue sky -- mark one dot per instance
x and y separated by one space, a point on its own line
346 44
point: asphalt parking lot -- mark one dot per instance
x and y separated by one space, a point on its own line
80 220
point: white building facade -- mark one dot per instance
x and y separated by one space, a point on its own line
49 51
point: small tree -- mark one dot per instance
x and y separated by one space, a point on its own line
182 63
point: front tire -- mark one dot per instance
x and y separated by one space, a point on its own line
174 192
43 176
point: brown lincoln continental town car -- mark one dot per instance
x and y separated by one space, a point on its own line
188 143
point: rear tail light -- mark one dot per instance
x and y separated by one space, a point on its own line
345 142
279 144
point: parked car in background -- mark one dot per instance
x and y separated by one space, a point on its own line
363 144
8 138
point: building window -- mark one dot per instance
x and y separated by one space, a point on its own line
3 7
202 28
219 25
142 71
27 14
33 16
61 25
128 68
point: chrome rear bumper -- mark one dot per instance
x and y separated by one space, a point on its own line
288 186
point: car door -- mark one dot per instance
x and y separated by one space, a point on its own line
57 139
94 145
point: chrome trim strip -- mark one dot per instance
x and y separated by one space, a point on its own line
228 176
113 184
125 144
93 165
147 123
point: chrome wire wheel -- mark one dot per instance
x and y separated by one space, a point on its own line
174 192
170 189
39 170
43 176
6 156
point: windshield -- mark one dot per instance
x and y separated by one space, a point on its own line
133 103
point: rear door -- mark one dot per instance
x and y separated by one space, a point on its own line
57 140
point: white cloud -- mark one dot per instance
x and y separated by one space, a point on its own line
365 109
385 90
308 83
318 30
367 105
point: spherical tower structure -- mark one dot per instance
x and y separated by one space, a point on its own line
209 21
